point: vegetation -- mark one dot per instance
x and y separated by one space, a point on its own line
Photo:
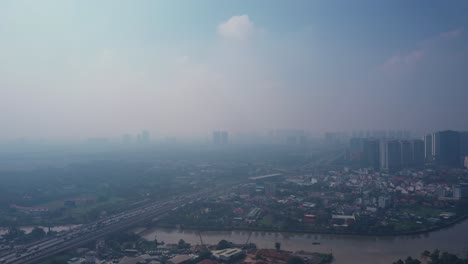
295 260
435 257
223 244
22 238
278 246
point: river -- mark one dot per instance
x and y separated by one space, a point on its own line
345 248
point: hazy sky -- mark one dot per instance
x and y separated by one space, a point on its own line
76 69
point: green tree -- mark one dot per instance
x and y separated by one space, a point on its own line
204 254
278 246
434 257
223 244
295 260
37 233
425 254
410 260
182 244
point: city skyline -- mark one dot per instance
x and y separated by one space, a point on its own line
78 69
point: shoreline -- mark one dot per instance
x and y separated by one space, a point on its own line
408 233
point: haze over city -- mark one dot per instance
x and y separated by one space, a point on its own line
233 132
78 69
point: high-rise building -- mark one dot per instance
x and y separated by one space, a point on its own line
356 149
390 155
435 144
460 191
418 152
220 137
464 143
446 147
356 145
372 153
126 138
406 153
217 137
143 137
428 147
224 137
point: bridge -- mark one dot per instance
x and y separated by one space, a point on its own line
73 238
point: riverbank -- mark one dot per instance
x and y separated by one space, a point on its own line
346 248
449 224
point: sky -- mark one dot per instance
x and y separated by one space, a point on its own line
78 69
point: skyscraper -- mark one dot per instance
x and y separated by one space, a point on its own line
390 155
143 137
418 152
406 153
428 147
446 148
220 137
435 144
464 143
371 153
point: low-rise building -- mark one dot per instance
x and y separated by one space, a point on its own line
227 254
180 259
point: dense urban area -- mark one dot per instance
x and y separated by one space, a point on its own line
373 183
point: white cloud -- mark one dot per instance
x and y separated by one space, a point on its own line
452 33
405 62
236 27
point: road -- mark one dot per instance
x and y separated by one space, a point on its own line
66 240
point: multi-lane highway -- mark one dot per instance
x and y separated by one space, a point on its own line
92 231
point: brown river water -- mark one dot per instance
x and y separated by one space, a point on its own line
345 248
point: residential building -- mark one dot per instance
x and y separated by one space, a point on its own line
418 152
460 191
428 148
464 143
390 155
371 153
180 259
406 153
220 137
227 254
384 201
446 148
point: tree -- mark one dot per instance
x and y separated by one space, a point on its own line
182 244
204 254
435 256
295 260
278 246
410 260
52 233
425 254
223 244
37 233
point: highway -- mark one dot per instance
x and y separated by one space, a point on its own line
73 238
